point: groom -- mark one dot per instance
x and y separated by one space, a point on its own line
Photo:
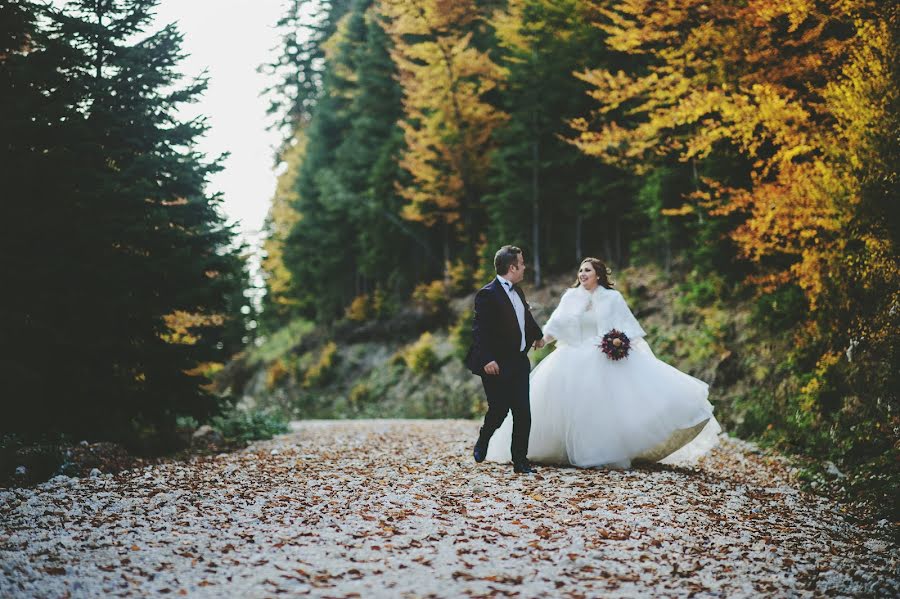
502 333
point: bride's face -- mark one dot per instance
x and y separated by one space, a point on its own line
588 276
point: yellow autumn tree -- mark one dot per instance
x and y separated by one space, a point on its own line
806 93
802 89
448 122
281 217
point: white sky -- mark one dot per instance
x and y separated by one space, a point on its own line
230 39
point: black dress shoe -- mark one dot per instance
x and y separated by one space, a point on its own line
479 453
522 468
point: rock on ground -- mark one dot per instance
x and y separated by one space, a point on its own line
399 509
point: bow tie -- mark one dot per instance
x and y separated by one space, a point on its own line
509 286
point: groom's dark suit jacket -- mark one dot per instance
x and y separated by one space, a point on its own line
495 330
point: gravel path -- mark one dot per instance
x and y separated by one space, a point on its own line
399 509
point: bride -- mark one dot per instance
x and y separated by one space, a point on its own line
589 410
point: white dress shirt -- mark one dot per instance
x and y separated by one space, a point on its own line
518 306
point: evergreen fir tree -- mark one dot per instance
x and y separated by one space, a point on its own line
348 231
299 68
320 244
113 240
546 196
368 162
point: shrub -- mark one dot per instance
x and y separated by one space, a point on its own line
484 268
781 309
431 297
381 307
485 273
700 289
461 334
318 373
460 277
275 373
360 309
420 357
279 343
366 307
244 426
398 359
360 393
210 369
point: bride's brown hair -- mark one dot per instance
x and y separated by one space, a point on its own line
602 273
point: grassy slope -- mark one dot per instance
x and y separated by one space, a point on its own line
372 379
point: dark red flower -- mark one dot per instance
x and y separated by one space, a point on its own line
615 345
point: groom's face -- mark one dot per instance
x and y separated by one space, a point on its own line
517 271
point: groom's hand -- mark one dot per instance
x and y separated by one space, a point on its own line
539 344
492 368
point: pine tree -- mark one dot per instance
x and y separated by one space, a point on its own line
320 246
127 276
368 162
347 232
298 70
541 43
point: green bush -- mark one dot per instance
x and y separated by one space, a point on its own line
781 309
280 343
244 425
461 334
700 290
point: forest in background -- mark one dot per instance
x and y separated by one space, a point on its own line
747 148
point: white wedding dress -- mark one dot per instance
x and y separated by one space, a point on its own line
590 411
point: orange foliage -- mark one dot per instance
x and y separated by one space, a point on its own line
798 87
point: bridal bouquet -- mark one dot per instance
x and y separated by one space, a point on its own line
615 345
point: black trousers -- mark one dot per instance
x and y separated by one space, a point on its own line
508 391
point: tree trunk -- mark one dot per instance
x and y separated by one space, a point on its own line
536 210
697 187
618 240
668 256
98 59
446 253
578 253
